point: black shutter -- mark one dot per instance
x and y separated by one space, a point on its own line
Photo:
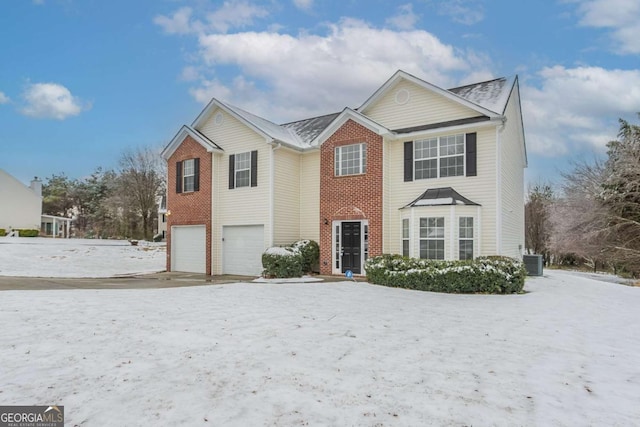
178 177
472 164
232 171
254 168
196 173
408 161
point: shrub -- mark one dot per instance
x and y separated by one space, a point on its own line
282 263
28 233
3 232
494 275
310 252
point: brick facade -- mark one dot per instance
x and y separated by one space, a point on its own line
192 208
353 197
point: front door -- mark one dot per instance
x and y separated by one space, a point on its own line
351 258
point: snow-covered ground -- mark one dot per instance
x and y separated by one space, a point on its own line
43 257
326 354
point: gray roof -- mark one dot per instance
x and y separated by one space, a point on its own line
440 197
309 129
492 95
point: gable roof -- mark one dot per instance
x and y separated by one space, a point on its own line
309 129
492 94
198 136
343 117
440 197
401 75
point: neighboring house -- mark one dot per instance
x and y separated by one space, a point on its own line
20 206
162 217
415 170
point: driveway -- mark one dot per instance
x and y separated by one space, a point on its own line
148 281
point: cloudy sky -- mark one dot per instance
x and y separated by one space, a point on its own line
82 80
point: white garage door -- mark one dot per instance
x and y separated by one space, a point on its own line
242 249
188 248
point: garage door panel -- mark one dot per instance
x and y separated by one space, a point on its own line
243 246
188 249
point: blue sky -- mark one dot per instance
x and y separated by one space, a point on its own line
83 80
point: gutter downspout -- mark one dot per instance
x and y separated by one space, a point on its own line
274 146
499 129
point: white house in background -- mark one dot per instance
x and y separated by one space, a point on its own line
162 217
20 206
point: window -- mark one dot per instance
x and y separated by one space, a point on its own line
465 238
432 238
351 159
188 176
405 237
439 157
243 169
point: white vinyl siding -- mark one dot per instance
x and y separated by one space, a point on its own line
480 189
512 186
286 197
310 196
351 159
20 207
424 107
244 205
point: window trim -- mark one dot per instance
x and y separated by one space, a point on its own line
192 162
438 239
466 239
362 159
439 156
407 238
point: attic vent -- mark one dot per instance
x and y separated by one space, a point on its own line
402 97
218 119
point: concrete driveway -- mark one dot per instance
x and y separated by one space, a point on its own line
148 281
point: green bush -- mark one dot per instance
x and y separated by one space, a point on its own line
282 263
3 232
492 275
28 232
310 252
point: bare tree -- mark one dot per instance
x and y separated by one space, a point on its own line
536 217
140 182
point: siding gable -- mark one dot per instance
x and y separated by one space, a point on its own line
228 130
423 107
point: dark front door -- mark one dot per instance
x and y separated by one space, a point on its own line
351 243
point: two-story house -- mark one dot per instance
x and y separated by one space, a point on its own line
416 170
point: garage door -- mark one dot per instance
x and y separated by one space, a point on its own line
188 248
242 249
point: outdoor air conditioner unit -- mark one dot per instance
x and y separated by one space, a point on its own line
533 264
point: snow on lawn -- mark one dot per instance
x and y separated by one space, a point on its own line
564 354
42 257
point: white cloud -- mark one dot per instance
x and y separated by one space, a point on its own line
618 16
178 23
190 74
235 14
232 14
467 12
293 76
303 4
576 109
406 19
50 100
4 99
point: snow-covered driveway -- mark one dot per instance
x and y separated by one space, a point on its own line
334 354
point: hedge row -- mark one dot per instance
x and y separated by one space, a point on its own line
293 261
24 232
492 275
